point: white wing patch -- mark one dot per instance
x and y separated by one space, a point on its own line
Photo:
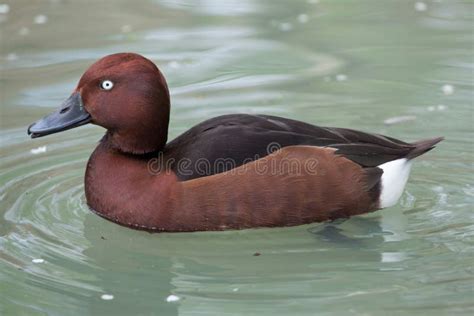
394 178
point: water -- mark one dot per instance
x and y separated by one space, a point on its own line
373 65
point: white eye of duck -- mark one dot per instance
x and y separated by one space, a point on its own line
107 85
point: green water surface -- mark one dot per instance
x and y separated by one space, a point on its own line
402 68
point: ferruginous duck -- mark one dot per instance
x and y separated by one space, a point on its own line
229 172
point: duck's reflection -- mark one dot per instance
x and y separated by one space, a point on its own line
368 234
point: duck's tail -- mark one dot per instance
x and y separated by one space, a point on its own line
423 146
396 172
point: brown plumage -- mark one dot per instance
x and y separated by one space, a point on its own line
292 186
262 171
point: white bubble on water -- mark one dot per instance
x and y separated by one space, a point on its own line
439 107
393 257
12 57
24 31
127 28
399 119
420 6
107 297
303 18
174 64
41 19
4 8
38 150
447 89
172 298
341 77
285 26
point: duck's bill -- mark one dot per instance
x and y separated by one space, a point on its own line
71 114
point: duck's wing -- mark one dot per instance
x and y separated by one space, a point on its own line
243 138
366 149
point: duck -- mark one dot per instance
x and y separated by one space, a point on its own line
230 172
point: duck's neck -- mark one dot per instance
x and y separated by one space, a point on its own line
121 188
135 143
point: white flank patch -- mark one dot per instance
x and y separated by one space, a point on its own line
394 178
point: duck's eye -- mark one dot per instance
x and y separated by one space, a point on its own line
107 85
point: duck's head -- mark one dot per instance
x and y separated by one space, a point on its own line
124 93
